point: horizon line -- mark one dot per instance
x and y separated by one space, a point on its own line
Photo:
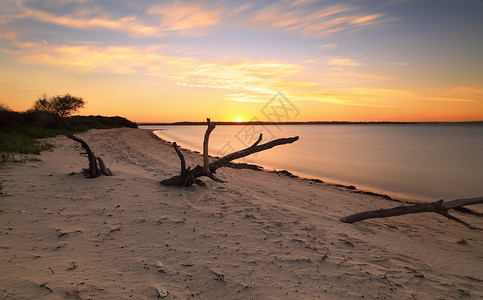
307 122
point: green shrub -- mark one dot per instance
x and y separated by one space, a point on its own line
19 131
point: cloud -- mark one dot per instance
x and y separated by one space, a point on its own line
374 97
400 64
306 18
366 97
456 94
328 46
176 17
243 80
334 61
253 77
126 24
366 20
310 20
345 62
185 17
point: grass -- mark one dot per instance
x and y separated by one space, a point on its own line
21 142
11 158
19 132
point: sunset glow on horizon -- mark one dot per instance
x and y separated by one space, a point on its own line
169 61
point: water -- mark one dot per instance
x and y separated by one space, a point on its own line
423 161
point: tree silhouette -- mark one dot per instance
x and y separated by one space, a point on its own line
60 105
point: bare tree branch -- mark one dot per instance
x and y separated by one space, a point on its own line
189 177
93 169
439 206
222 162
96 164
181 158
451 217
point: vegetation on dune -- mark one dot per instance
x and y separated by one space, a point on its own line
48 117
60 106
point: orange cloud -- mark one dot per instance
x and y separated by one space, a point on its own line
345 62
185 17
175 16
374 97
128 24
259 78
366 20
302 18
340 83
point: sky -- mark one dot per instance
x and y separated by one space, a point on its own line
302 60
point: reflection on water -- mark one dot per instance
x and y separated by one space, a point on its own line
420 161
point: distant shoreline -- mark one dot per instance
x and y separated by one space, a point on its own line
312 123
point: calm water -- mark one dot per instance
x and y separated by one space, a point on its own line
426 162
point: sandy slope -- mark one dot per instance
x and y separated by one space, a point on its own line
260 236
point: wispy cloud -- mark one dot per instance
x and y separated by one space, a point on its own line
251 77
243 80
311 20
185 17
307 18
328 46
400 64
128 24
375 97
345 62
174 16
335 61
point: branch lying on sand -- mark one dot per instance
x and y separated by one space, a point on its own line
190 176
96 164
439 207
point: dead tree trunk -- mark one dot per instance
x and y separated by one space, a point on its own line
439 207
206 161
96 164
190 176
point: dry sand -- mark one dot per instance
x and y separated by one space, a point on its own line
258 236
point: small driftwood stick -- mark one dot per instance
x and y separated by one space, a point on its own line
103 167
439 206
451 217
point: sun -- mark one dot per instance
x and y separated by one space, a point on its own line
238 120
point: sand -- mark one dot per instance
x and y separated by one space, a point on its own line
261 235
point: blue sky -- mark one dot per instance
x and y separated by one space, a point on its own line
178 60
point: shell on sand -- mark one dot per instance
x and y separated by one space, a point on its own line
162 292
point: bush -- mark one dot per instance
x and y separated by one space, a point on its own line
19 131
60 106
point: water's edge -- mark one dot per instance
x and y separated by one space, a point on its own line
390 196
409 162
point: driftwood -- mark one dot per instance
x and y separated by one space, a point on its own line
439 207
189 176
96 164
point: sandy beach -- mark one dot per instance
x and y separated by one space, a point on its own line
260 235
